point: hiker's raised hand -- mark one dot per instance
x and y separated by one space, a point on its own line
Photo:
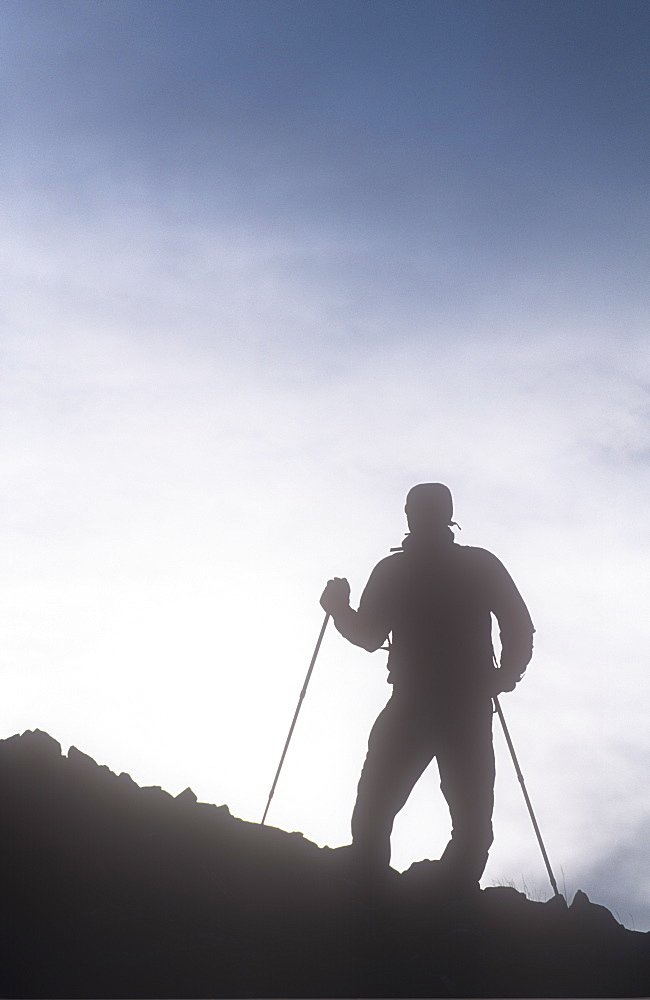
336 595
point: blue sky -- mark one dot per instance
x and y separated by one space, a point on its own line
266 265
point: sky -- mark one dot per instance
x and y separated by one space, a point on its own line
266 264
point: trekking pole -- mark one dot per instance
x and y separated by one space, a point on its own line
528 802
295 715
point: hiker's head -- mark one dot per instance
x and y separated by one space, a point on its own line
429 508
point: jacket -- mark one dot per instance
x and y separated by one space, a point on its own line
436 599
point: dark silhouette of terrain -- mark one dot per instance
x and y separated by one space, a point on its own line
112 890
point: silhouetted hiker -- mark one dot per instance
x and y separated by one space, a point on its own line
436 599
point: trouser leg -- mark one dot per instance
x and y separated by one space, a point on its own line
398 753
466 763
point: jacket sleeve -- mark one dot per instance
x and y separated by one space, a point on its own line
369 626
515 625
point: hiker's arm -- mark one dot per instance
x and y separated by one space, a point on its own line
516 629
363 627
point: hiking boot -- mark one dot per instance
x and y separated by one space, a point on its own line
435 879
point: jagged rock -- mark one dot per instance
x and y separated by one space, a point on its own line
599 917
80 759
186 796
155 792
32 744
111 890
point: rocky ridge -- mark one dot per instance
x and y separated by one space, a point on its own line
112 890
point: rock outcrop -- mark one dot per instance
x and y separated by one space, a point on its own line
112 890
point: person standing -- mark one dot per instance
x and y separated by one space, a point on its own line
435 599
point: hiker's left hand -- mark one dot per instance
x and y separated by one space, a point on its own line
504 680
